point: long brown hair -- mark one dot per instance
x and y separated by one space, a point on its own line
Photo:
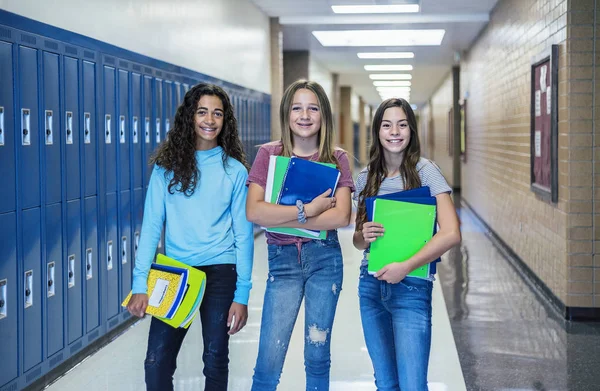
326 133
377 169
177 154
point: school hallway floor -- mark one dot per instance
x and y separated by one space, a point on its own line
490 332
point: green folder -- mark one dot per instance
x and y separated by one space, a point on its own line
408 227
278 166
188 309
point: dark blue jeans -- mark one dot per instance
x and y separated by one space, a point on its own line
165 341
315 275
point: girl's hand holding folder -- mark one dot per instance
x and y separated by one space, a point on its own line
137 304
320 204
393 273
371 231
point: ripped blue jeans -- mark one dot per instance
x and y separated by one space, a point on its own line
396 320
316 275
165 341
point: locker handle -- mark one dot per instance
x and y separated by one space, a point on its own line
87 126
1 126
109 248
88 264
135 130
158 130
107 138
147 127
124 249
71 274
69 122
28 288
26 123
3 293
122 129
50 275
49 138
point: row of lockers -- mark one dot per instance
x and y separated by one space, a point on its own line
77 128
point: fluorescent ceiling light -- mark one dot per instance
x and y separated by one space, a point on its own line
392 83
380 55
393 89
383 68
375 9
390 76
380 37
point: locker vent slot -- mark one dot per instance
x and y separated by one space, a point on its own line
71 50
93 335
113 323
148 70
158 73
5 33
88 54
109 60
33 375
76 347
137 68
124 64
56 360
28 39
51 45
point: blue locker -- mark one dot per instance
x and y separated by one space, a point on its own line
7 135
92 297
110 123
168 106
73 272
125 243
123 124
31 299
149 132
112 257
159 120
137 125
8 299
54 280
51 129
71 126
176 97
28 128
138 215
90 138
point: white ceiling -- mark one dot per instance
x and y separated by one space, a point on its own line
462 20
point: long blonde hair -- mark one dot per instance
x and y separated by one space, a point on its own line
326 133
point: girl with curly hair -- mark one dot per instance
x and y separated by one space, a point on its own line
198 187
301 268
395 309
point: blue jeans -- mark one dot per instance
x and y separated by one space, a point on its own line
165 341
396 320
315 273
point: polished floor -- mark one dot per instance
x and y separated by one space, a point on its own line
491 331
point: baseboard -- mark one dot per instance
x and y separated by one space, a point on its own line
539 286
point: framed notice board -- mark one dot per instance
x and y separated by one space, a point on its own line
544 126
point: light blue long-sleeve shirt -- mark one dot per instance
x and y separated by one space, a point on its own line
207 228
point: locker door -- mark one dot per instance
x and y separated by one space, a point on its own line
91 264
149 140
8 298
90 138
124 124
137 133
71 129
176 97
54 280
112 257
28 128
31 295
168 106
159 120
138 214
51 129
110 124
7 134
125 244
73 271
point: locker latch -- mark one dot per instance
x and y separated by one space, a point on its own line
88 264
49 138
135 130
122 129
107 137
147 129
1 126
158 130
26 122
28 288
69 124
109 255
50 276
87 128
136 242
71 275
167 126
3 296
124 250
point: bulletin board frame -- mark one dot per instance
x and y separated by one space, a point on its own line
544 126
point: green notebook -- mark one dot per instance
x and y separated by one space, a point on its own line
278 166
408 227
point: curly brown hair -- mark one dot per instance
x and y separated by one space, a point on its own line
377 167
177 154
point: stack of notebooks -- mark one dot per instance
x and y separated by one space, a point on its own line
175 291
291 179
409 220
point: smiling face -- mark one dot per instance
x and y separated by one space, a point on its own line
305 114
208 121
394 133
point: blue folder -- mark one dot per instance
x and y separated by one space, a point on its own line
420 195
305 180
